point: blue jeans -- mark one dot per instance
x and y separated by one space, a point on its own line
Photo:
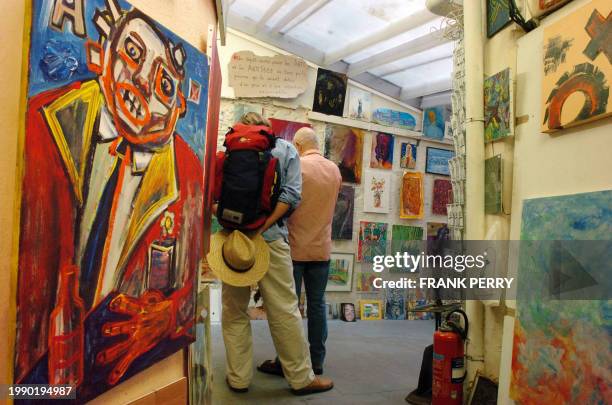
314 275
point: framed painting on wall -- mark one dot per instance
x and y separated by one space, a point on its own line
340 277
434 119
370 310
564 320
286 129
359 104
493 185
408 155
442 196
377 192
498 16
411 196
330 92
342 222
498 106
382 151
344 147
111 203
538 8
397 119
436 161
372 240
365 282
577 68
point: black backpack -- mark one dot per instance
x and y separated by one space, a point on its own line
247 180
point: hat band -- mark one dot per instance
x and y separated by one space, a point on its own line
232 267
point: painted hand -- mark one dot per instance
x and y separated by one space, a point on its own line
152 319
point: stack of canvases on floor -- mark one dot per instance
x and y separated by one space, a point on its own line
111 202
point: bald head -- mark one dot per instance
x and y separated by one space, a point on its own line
305 139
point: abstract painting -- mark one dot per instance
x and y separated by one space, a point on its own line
498 16
344 147
347 312
577 67
561 351
498 106
359 104
436 161
408 155
382 151
342 222
437 231
370 310
340 277
416 299
200 371
442 195
434 119
330 92
111 203
395 304
538 8
377 192
411 196
365 282
372 240
286 129
405 238
393 118
493 185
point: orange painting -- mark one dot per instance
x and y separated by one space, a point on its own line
411 197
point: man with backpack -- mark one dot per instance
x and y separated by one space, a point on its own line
239 258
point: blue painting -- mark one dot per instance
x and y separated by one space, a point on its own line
561 350
111 195
393 118
437 161
434 119
498 16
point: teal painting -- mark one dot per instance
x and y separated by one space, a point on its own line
562 350
498 16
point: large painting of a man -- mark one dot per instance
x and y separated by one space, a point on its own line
111 203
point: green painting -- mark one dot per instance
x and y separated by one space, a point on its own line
493 185
498 108
498 16
406 239
561 351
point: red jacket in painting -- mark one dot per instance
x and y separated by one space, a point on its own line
165 220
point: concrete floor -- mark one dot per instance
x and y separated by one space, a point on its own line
371 362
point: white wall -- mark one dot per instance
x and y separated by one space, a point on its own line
298 110
574 161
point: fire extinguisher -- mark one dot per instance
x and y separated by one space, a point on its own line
448 362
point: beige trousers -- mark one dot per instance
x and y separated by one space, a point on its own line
278 291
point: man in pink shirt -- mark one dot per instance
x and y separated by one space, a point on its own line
310 240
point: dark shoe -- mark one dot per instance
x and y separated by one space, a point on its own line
271 367
234 389
319 384
318 370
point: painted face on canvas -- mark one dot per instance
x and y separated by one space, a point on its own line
141 82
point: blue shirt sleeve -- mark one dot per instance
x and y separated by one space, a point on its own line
291 179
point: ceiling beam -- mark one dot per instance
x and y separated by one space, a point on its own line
390 31
268 14
426 89
414 65
304 16
292 15
402 51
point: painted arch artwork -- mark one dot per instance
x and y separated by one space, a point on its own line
577 67
111 203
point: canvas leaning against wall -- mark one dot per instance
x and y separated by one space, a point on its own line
561 351
344 147
577 68
110 231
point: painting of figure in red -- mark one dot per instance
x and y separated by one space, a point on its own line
111 205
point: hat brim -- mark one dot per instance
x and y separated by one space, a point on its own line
232 277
